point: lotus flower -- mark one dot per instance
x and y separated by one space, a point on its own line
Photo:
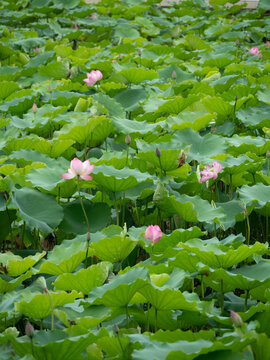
93 77
34 108
236 319
254 51
153 233
79 169
267 44
210 171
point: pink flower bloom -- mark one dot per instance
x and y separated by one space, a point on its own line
153 233
93 77
267 44
79 169
113 60
210 171
254 51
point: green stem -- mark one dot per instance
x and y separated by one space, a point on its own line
231 189
248 230
156 319
121 346
202 287
124 209
221 297
52 311
88 226
116 210
22 236
147 323
127 155
192 285
266 223
246 300
127 316
151 255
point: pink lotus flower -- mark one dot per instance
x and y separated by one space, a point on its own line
153 234
210 171
79 169
254 51
93 77
267 44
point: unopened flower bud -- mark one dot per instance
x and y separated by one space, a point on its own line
36 50
236 97
139 52
268 153
174 74
237 42
88 237
50 88
29 330
120 57
245 212
158 153
34 108
41 282
116 329
127 139
236 319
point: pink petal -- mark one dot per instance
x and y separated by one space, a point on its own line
76 166
67 176
87 167
86 177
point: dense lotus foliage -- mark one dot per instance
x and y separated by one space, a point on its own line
162 253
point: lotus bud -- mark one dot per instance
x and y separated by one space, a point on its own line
116 329
36 50
29 330
174 74
158 153
140 52
88 237
41 282
245 212
127 139
120 57
236 97
50 88
237 42
34 108
268 154
124 232
236 319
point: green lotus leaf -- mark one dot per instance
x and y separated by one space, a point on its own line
84 280
113 346
264 96
187 261
244 144
118 180
86 319
133 127
192 208
120 290
166 73
177 104
219 256
38 210
8 283
98 215
53 345
130 98
64 258
62 98
195 121
202 147
167 161
16 265
90 132
235 165
7 88
56 69
38 306
137 75
172 336
114 107
259 194
113 249
49 179
18 106
126 31
255 117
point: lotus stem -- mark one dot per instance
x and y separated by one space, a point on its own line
88 226
221 296
147 324
116 210
22 236
124 209
127 316
246 300
231 189
248 229
52 311
202 287
156 319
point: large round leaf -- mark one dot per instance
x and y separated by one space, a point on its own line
38 210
